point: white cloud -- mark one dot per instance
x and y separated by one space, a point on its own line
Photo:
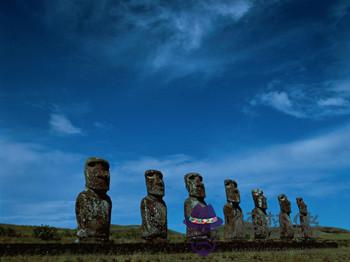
341 87
189 29
38 184
20 159
316 101
291 166
191 26
187 25
333 101
59 213
174 33
47 181
279 101
233 9
103 126
62 125
340 10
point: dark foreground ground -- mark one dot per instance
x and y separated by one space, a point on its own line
130 234
340 254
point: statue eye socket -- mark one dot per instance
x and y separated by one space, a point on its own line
92 164
150 176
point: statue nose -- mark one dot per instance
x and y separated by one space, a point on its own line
105 174
158 180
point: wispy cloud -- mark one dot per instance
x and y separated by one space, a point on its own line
333 101
341 87
340 10
278 100
103 126
232 9
46 182
182 38
189 29
19 158
317 101
62 125
59 213
171 33
187 25
269 167
56 177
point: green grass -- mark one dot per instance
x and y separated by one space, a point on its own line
129 234
132 234
118 234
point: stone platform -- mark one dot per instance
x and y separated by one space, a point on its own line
130 248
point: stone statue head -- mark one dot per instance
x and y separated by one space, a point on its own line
284 203
154 183
194 185
97 174
301 205
232 192
259 199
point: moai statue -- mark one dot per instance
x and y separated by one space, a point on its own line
153 208
259 215
304 219
234 226
196 191
286 225
93 206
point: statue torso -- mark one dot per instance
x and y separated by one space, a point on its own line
93 214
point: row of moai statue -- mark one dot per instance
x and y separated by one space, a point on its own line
94 206
234 227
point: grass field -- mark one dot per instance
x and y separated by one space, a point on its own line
118 234
125 234
340 254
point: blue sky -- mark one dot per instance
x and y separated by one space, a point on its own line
256 91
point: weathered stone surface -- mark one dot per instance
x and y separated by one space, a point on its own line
259 216
153 208
304 219
286 225
195 187
93 206
234 226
